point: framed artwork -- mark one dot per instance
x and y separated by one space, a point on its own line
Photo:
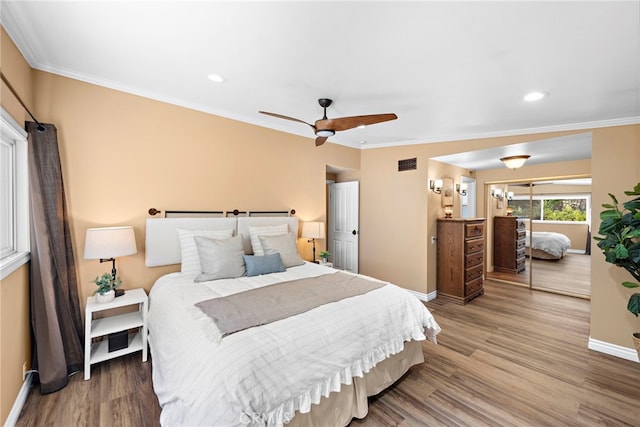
447 192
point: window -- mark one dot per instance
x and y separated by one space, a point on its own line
14 193
553 207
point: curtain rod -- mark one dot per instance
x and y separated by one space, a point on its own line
4 79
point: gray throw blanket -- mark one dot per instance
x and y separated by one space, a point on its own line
268 304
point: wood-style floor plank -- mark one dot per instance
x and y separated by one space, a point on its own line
512 357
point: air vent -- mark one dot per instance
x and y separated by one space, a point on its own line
408 164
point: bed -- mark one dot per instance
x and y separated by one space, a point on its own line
316 367
547 245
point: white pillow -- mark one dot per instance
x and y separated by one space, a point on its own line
190 257
220 259
268 230
285 245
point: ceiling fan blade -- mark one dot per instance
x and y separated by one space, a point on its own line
321 140
280 116
344 123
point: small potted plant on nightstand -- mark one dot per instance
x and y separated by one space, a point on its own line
106 287
620 242
324 257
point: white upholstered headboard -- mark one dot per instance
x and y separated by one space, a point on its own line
162 245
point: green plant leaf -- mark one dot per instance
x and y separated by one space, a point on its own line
611 213
630 285
634 304
621 252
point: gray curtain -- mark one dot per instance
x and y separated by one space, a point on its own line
56 321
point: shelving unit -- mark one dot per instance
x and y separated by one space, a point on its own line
95 352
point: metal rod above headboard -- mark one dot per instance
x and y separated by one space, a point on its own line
234 212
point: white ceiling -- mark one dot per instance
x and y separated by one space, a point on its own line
449 70
560 149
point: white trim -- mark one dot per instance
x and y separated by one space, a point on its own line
425 297
15 138
576 251
12 263
613 350
624 121
21 399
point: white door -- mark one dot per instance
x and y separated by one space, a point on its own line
343 225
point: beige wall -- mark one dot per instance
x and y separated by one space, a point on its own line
15 341
123 154
615 169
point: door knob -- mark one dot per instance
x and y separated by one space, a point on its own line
354 232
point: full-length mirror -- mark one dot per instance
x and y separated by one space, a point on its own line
541 235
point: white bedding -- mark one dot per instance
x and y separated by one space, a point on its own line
262 375
555 244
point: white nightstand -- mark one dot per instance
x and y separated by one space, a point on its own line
99 351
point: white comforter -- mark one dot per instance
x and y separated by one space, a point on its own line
262 375
555 244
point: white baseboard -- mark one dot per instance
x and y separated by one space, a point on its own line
21 399
425 297
613 350
576 251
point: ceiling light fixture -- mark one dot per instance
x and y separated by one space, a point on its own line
217 78
325 133
514 162
535 96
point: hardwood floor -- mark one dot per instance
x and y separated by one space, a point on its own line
570 275
510 357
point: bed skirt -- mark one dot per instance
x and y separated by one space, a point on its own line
351 401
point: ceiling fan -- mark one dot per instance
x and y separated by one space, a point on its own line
324 128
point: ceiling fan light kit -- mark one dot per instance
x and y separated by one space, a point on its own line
514 162
325 127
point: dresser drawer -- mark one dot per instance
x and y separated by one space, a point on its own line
472 246
473 230
473 286
521 234
473 259
520 264
520 224
473 273
520 253
520 244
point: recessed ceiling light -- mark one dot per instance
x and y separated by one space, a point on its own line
216 78
364 141
535 96
361 126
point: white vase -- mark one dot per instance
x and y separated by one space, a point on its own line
106 297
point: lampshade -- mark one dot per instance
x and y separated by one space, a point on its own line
109 242
514 162
313 229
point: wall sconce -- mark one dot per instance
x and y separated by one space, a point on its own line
436 185
497 193
461 189
448 211
509 195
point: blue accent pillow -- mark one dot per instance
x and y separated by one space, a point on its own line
265 264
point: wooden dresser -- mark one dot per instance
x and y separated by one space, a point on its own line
509 240
460 258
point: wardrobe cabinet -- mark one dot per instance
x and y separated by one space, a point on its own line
460 258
